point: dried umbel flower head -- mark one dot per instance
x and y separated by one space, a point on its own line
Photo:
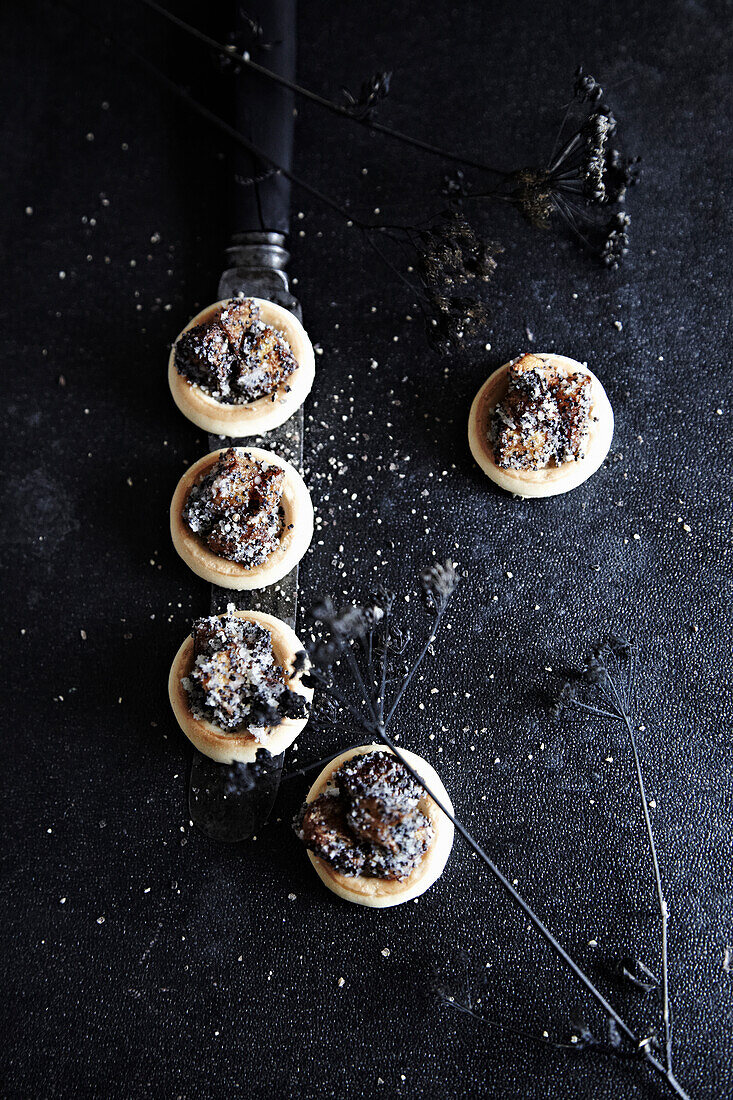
615 243
439 583
606 657
371 94
347 622
453 263
367 645
583 180
586 86
533 195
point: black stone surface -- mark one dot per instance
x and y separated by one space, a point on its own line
140 959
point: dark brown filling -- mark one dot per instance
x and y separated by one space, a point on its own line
234 356
235 682
235 508
370 823
543 418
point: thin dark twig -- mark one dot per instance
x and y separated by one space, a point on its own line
367 228
663 908
333 691
385 661
214 119
321 101
595 710
369 654
408 678
559 133
467 1010
545 1040
614 679
297 772
345 647
562 207
386 260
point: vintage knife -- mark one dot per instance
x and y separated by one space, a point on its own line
229 803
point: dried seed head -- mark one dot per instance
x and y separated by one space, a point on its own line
371 94
452 265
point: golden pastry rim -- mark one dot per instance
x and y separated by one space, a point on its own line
298 511
379 893
264 414
552 480
227 748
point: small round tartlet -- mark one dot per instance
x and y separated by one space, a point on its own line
241 747
264 414
294 541
551 480
381 893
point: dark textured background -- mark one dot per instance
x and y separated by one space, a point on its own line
215 970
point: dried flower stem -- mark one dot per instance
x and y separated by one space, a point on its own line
599 674
641 1045
297 772
385 662
596 710
453 263
321 101
344 627
663 907
532 1037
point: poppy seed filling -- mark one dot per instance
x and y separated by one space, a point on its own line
234 356
235 508
235 682
544 417
370 823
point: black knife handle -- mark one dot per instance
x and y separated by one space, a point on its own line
264 114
